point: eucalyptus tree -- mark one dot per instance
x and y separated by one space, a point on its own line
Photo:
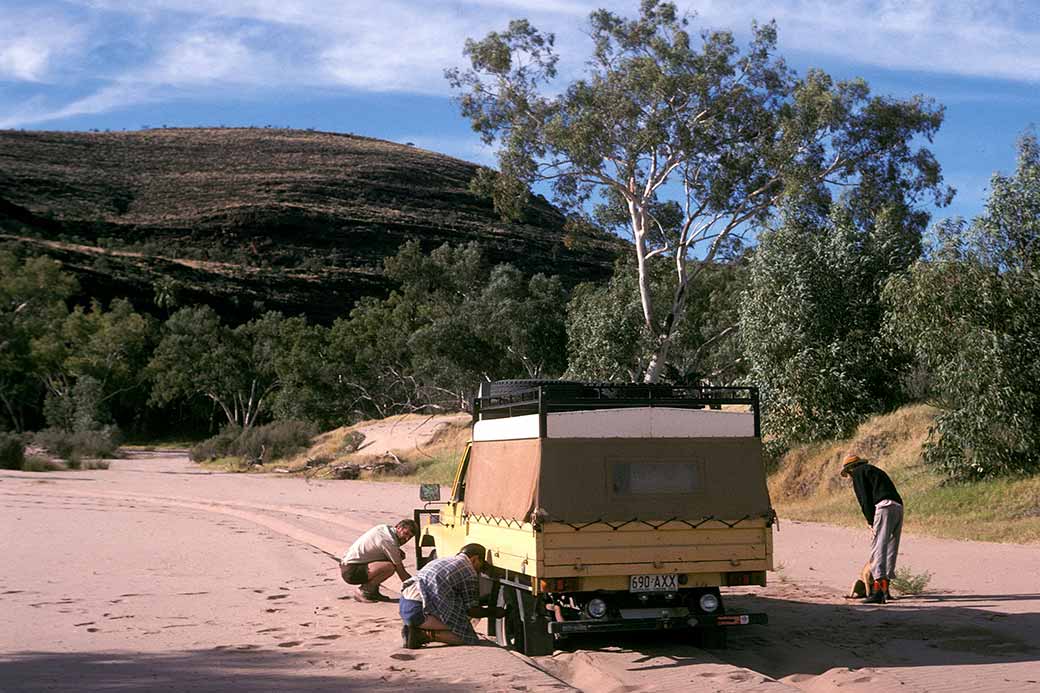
233 367
689 139
970 314
33 295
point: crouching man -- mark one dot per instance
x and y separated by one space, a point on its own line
375 556
438 603
883 509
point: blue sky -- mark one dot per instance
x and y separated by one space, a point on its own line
375 68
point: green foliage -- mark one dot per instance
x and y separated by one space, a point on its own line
732 132
33 292
12 450
233 367
971 316
608 341
452 322
811 319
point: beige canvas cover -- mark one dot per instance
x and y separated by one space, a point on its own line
584 480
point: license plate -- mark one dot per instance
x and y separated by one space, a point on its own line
653 583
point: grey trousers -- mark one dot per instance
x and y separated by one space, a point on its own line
888 526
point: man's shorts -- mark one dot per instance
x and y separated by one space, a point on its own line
411 612
354 573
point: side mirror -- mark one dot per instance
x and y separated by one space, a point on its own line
430 492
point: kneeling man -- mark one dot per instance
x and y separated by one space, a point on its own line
375 556
438 603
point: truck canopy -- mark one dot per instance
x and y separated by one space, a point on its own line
583 480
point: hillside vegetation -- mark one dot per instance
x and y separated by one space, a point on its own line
806 486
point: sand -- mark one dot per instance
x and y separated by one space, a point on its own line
157 575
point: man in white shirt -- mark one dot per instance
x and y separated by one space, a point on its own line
375 556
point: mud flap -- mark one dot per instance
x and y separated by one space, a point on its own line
538 640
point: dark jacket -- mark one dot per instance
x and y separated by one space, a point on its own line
872 486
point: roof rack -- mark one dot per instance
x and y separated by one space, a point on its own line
547 397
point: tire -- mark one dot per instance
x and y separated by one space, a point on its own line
525 628
508 629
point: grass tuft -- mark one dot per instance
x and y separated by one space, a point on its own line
908 582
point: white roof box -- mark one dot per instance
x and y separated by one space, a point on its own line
630 422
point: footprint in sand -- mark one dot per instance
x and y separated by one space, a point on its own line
93 630
402 656
290 643
272 611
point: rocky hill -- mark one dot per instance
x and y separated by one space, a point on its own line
254 219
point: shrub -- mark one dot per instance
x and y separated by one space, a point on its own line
72 447
275 440
907 582
220 445
351 442
257 445
405 468
12 450
37 463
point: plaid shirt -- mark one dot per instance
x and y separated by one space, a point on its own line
449 587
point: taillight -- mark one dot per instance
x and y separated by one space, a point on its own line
755 577
557 585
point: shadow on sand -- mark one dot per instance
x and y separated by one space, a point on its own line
809 639
206 671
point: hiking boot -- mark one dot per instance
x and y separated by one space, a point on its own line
369 597
414 637
877 595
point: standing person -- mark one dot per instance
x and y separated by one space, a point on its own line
437 604
375 556
883 507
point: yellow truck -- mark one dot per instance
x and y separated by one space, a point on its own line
609 507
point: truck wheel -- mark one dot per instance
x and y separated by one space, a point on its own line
524 628
509 629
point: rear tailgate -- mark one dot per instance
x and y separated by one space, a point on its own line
611 553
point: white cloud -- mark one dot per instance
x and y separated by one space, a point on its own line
404 45
24 59
983 39
31 41
205 58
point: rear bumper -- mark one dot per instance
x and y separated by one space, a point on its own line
617 625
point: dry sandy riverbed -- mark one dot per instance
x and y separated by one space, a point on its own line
156 575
